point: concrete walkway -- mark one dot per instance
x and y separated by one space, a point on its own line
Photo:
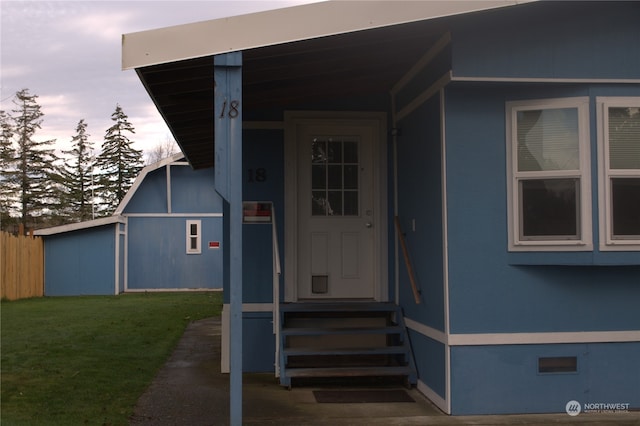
190 391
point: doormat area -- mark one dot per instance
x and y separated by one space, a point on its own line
361 396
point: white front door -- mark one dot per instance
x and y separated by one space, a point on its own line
337 217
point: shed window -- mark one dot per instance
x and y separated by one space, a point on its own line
619 159
549 184
194 240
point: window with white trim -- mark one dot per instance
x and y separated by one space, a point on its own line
619 183
549 189
194 243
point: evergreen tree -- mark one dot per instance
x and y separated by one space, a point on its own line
76 177
31 172
119 163
7 154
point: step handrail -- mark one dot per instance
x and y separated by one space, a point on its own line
407 261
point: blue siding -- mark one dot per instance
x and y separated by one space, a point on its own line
420 198
192 191
550 40
157 256
151 195
430 359
488 292
258 343
81 262
257 251
264 151
481 376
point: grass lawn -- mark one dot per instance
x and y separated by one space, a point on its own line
86 360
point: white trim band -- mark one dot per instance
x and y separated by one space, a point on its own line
481 339
174 215
547 80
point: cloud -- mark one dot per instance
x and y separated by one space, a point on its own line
105 26
15 70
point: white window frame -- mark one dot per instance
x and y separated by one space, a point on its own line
605 174
197 236
585 240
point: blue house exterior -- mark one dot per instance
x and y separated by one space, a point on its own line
147 244
505 141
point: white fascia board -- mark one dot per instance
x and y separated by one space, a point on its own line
279 26
141 176
80 225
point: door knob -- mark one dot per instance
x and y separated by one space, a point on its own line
368 224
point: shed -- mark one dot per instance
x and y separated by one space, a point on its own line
166 235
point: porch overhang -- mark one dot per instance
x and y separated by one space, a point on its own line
305 54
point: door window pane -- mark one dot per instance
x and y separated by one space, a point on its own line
318 176
335 152
350 177
351 152
335 201
334 177
318 151
320 204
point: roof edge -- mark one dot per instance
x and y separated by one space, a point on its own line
80 225
224 35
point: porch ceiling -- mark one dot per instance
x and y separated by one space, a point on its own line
285 75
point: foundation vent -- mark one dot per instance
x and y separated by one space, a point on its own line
558 364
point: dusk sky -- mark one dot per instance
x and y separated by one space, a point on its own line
68 53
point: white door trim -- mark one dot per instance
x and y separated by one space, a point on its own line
292 120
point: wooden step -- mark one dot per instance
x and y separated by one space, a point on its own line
348 372
337 307
300 331
384 350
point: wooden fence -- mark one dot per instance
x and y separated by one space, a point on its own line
21 266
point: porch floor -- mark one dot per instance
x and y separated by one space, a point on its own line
190 390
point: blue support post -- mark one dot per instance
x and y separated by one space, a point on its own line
228 183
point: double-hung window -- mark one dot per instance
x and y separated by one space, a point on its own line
619 183
549 189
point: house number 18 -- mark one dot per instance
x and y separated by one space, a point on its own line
233 111
257 175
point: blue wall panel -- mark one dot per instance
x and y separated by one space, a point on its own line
420 199
263 162
550 40
151 195
505 379
430 362
257 253
192 191
258 353
81 262
157 254
488 292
